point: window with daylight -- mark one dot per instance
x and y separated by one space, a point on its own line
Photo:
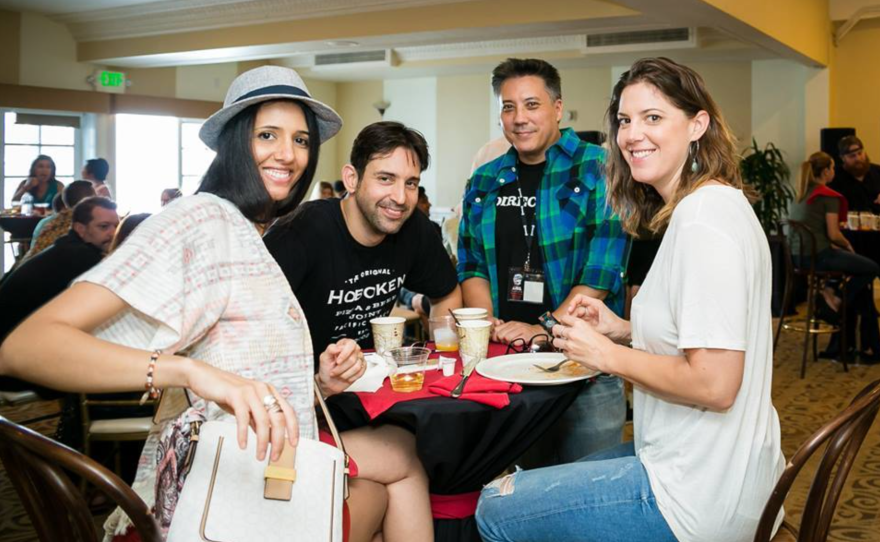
154 153
24 136
22 143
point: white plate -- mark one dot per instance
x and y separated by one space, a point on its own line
520 368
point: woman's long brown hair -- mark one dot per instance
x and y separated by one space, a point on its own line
638 205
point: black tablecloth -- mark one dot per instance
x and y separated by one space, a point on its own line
464 445
19 227
866 243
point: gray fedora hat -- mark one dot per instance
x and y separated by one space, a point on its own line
263 84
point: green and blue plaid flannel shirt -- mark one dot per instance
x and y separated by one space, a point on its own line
582 241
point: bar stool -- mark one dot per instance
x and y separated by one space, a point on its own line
810 326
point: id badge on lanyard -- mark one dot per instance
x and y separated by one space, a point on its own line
524 284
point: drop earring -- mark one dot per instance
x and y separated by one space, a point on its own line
695 166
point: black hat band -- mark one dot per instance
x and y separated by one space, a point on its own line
274 89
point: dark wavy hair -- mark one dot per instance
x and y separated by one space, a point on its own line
383 138
98 167
639 206
33 170
523 67
125 228
233 174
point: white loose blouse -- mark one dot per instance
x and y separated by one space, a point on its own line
198 280
709 287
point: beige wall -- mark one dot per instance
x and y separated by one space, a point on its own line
778 107
208 82
730 84
855 80
10 44
802 25
586 92
462 102
48 56
327 170
152 81
355 104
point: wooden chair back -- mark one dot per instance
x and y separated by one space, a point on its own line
844 436
36 466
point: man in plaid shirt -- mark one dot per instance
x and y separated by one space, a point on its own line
535 231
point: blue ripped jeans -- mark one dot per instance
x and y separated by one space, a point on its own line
605 497
593 422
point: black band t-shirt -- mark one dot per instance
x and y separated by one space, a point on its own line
341 284
510 241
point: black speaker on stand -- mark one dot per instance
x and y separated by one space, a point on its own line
829 138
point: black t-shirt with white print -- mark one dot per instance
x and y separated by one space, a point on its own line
342 284
510 243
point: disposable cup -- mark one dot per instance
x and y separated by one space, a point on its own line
408 367
387 333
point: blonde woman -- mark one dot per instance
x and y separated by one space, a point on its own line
822 210
698 349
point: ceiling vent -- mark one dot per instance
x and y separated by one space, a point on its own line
642 40
356 59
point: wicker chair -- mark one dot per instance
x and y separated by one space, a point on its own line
810 326
36 466
844 435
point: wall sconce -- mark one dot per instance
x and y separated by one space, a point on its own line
381 106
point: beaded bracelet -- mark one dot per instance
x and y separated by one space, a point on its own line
152 392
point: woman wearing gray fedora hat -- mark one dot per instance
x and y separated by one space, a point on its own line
194 304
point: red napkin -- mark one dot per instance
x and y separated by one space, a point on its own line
384 398
478 388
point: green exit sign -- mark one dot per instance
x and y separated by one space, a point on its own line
111 79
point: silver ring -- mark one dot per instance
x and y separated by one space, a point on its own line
274 408
270 402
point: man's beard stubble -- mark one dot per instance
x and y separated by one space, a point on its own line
859 169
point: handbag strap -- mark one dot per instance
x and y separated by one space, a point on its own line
333 431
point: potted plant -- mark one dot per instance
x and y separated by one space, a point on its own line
767 174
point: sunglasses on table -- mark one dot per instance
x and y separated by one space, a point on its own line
539 343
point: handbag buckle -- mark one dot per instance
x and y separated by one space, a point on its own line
279 473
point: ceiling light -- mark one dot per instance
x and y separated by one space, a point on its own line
343 43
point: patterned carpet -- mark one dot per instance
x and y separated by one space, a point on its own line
803 406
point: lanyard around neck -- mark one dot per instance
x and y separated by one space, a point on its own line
528 229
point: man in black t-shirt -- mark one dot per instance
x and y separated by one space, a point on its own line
36 281
347 259
857 178
42 277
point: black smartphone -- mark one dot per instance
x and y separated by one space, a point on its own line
547 321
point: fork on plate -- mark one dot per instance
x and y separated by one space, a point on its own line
552 368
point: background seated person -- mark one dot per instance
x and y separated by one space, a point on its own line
126 227
169 195
326 190
33 283
57 206
53 227
95 171
346 260
858 179
821 210
41 181
37 280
